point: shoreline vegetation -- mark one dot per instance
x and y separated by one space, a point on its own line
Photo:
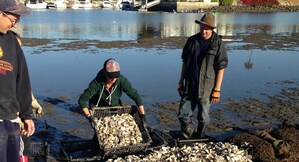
239 6
252 8
255 6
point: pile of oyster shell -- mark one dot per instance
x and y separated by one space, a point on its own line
198 152
117 130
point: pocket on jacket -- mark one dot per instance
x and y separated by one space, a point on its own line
212 52
209 85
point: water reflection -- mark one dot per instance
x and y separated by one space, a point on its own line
266 23
249 64
111 25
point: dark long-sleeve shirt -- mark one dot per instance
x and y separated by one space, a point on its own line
15 89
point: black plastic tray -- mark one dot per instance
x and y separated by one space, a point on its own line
99 112
176 138
39 150
157 140
81 150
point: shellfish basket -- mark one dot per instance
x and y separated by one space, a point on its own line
80 150
99 112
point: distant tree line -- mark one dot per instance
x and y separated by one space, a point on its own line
260 2
250 2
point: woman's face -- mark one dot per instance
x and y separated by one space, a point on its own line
110 80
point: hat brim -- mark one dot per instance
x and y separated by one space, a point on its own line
21 10
201 22
113 74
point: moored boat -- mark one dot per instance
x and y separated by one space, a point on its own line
82 4
60 4
107 4
36 4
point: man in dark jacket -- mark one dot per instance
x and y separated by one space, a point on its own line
204 60
15 90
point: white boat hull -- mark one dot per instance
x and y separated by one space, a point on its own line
60 4
107 4
82 5
42 5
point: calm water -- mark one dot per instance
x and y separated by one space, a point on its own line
153 72
107 25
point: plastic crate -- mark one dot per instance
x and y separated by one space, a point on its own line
157 140
177 138
168 138
81 150
39 150
99 112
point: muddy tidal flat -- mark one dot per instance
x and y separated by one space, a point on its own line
253 41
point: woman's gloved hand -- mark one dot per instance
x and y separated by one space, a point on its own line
37 109
91 121
143 119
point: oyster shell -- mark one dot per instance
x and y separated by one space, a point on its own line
118 130
198 152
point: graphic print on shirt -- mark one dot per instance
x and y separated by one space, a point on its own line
4 66
1 52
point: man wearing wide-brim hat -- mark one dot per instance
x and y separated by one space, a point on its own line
204 59
15 90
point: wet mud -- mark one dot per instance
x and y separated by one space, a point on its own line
278 116
249 42
281 146
268 129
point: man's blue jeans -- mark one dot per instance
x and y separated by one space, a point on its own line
9 141
187 108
